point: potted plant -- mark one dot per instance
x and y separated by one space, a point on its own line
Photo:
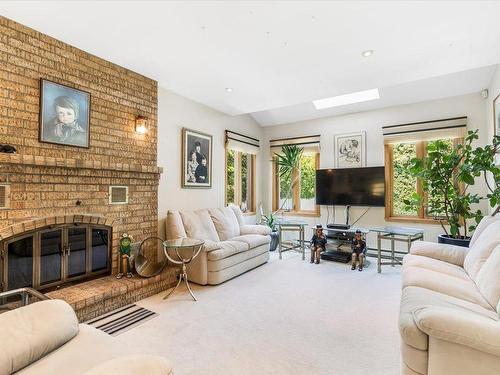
446 174
270 221
288 163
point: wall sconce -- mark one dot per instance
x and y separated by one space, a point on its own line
140 124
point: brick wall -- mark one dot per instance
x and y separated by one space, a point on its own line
45 179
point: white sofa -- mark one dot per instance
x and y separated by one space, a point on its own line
45 338
449 317
231 247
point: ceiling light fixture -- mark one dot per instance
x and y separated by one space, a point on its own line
229 89
355 97
367 53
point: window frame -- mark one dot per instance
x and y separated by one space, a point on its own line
238 182
295 193
421 151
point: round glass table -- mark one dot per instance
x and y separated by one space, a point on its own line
173 250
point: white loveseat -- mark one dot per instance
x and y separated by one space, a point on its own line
449 317
45 338
231 247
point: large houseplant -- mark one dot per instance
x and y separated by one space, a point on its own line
446 174
288 165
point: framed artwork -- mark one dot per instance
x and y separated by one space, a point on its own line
64 115
350 151
196 159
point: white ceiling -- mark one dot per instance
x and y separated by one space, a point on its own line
278 55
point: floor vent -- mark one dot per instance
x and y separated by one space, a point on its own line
118 194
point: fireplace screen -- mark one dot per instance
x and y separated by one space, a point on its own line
52 256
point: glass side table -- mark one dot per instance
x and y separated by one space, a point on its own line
393 234
291 226
185 245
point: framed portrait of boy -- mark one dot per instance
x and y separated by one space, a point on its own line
196 159
64 115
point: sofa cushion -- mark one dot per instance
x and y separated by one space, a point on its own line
488 279
483 224
238 214
443 283
174 226
413 298
435 265
198 224
221 264
483 245
31 332
89 348
227 248
253 240
263 230
225 222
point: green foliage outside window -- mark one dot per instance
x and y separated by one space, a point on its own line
308 177
230 176
244 181
404 184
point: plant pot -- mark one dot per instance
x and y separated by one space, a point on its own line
274 241
446 239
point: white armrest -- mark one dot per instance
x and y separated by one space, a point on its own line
460 327
210 246
133 365
255 229
447 253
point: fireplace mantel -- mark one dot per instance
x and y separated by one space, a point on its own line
46 161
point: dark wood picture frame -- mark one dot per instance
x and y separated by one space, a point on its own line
186 183
42 137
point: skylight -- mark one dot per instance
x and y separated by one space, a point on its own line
355 97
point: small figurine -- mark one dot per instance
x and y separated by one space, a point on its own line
318 243
124 268
358 247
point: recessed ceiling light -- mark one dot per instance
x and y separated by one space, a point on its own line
355 97
229 89
367 53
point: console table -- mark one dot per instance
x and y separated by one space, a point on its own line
291 226
393 234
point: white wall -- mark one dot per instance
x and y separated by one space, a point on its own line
471 106
174 113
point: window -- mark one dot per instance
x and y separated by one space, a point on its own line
240 180
400 184
301 198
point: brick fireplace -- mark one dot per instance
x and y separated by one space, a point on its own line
49 185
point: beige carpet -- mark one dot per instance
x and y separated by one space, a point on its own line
285 317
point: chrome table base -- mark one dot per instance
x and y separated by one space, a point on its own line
182 276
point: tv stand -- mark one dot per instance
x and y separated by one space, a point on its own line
341 226
340 236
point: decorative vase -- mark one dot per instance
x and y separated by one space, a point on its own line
274 241
446 239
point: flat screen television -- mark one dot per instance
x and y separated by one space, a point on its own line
351 186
